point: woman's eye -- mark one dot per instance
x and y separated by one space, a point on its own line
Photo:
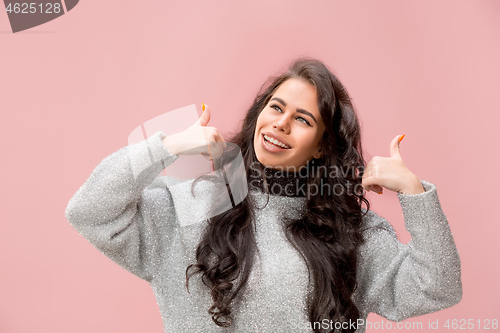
303 120
277 108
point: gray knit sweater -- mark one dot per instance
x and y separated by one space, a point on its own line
151 226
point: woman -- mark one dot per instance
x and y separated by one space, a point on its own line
306 259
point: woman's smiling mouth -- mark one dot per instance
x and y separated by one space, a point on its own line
273 145
276 142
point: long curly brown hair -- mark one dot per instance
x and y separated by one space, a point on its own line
329 232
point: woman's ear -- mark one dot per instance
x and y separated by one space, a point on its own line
318 153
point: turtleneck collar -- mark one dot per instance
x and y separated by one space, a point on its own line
279 182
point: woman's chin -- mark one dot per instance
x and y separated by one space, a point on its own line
270 164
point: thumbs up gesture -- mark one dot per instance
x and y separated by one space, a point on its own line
391 173
197 139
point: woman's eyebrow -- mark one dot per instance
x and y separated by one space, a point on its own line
298 110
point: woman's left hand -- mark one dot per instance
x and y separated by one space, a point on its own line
391 173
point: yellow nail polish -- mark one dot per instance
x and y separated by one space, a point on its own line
401 138
203 106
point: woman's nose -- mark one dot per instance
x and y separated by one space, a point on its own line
282 124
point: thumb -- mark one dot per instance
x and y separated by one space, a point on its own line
205 116
395 146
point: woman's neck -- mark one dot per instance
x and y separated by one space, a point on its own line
277 182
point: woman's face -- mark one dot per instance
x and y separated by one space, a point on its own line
291 117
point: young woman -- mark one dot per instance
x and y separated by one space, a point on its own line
296 252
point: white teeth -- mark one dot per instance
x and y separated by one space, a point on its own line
276 142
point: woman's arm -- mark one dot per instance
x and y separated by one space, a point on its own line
123 213
109 209
399 281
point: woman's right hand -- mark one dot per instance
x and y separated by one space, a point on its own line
197 139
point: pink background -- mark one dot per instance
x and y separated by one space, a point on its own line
72 90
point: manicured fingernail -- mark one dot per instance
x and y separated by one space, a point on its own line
380 192
203 107
401 138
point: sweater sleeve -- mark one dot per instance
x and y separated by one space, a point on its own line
110 210
399 281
